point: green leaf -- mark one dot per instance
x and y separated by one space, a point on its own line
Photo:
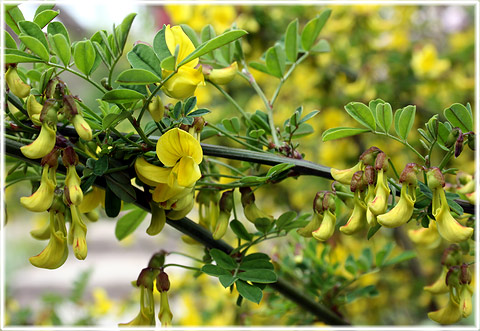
17 56
404 121
143 57
191 34
442 135
112 203
119 182
137 77
383 254
239 229
122 96
264 276
42 8
249 292
168 63
263 224
160 45
214 270
84 56
256 264
275 60
308 116
404 256
363 292
455 206
101 165
321 47
384 116
129 222
35 46
259 66
222 259
291 35
212 44
227 280
199 112
9 41
123 29
13 15
279 168
342 132
62 48
190 103
285 219
373 230
113 119
304 129
54 28
459 116
33 30
44 17
362 114
312 29
255 134
351 265
256 256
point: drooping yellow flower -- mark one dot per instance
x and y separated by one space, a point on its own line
157 221
91 200
440 285
82 127
165 314
426 237
156 108
313 225
426 64
358 218
466 300
43 144
34 109
326 228
16 84
184 83
223 76
73 191
146 316
449 314
345 176
77 234
42 199
380 204
403 210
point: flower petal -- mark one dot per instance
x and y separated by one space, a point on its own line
175 36
188 171
151 174
184 83
175 144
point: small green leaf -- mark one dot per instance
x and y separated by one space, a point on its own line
304 129
168 63
285 219
279 168
44 17
13 15
291 35
101 165
459 116
62 48
275 60
160 45
214 270
312 29
363 292
207 33
17 56
308 116
404 121
122 96
227 280
321 47
143 57
256 264
455 206
259 66
199 112
442 135
256 256
383 254
35 46
373 230
84 56
212 44
112 203
351 265
404 256
191 34
240 231
362 114
137 77
9 41
54 28
123 29
263 224
222 259
42 8
249 292
129 222
33 30
113 119
258 276
342 132
384 116
255 134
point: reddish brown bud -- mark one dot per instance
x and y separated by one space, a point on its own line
318 202
368 157
465 275
358 183
51 159
409 174
370 174
381 161
163 283
69 157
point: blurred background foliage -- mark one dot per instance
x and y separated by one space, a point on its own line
421 55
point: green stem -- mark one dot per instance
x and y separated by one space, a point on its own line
445 159
233 169
19 139
150 97
233 138
121 136
284 78
404 142
112 67
186 255
394 169
98 86
180 266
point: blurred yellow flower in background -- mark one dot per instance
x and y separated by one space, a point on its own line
426 64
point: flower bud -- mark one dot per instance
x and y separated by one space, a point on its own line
459 145
381 161
358 182
82 127
345 176
42 145
92 216
358 218
440 285
452 137
402 212
409 174
435 178
326 228
156 108
451 256
370 175
157 260
73 192
221 225
16 84
77 234
42 199
471 141
157 221
163 283
34 109
465 275
368 157
223 76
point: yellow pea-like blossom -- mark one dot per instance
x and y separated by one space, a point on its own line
326 228
91 200
43 144
73 191
466 300
77 234
403 210
34 108
449 314
440 285
183 83
358 218
16 84
82 127
313 225
345 176
380 204
156 108
146 316
157 221
42 199
223 76
426 64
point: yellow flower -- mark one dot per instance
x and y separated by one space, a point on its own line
326 228
313 225
358 218
165 315
77 234
466 300
73 192
425 63
43 144
440 285
82 127
184 83
16 84
56 252
146 316
42 199
379 204
34 109
223 76
91 200
427 237
403 210
449 314
156 108
448 227
102 304
157 221
345 176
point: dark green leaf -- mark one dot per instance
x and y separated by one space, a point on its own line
87 183
312 29
275 61
123 29
442 135
258 276
259 66
54 28
124 191
212 44
304 129
168 63
404 256
342 132
383 254
285 219
404 121
321 47
362 114
291 35
45 17
308 116
207 33
384 116
199 112
279 168
137 77
187 120
101 165
351 265
227 280
263 224
17 56
256 256
143 57
214 270
373 230
129 222
240 231
112 203
113 119
190 103
160 45
62 48
84 56
13 15
455 206
9 41
33 30
460 117
256 264
122 96
177 110
35 46
222 259
249 292
363 292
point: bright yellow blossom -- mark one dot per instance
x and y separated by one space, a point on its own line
425 63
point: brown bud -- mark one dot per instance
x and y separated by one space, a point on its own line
370 174
226 201
318 202
459 145
146 278
163 283
381 161
69 157
368 157
465 275
329 201
51 159
409 174
69 106
247 196
358 183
